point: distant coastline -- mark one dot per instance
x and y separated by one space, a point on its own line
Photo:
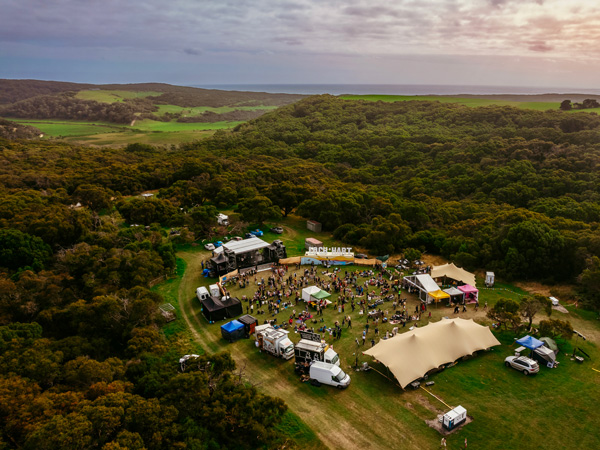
398 89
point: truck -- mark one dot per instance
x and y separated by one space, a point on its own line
312 348
324 373
274 341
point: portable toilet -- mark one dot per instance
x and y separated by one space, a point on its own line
454 417
489 279
202 293
215 291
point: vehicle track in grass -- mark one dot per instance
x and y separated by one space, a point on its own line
341 419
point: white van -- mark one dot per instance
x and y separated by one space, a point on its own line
325 373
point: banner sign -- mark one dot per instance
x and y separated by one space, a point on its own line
330 251
310 336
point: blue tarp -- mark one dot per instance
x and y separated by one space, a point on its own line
530 342
232 326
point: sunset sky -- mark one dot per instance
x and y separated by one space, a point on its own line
554 43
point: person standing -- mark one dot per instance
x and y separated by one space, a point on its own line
364 336
349 322
443 443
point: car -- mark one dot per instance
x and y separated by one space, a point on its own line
219 244
249 235
277 230
523 364
257 232
210 246
236 238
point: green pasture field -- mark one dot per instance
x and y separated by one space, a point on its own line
55 128
153 125
107 134
553 409
112 96
472 102
162 109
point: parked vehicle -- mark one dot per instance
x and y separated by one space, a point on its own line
277 230
249 236
307 351
236 238
324 373
219 244
275 342
360 256
523 364
257 233
222 219
210 246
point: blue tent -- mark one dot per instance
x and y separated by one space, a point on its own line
530 342
232 331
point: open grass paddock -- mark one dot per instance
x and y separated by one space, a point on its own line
555 409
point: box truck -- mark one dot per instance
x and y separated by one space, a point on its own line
307 351
275 342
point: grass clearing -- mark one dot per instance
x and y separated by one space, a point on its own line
153 125
173 109
467 101
66 128
374 413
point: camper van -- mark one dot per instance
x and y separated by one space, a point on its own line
324 373
222 219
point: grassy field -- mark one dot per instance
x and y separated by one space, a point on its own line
162 109
472 102
103 96
66 128
153 125
144 131
554 409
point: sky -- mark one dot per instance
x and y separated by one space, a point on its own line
553 43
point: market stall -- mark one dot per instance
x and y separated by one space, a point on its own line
471 293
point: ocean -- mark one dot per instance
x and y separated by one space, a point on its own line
394 89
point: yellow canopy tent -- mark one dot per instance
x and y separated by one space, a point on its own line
438 295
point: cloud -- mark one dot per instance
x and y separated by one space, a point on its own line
191 51
540 47
233 32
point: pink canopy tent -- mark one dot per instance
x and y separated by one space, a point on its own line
471 293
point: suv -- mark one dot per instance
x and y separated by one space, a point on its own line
210 246
277 230
522 364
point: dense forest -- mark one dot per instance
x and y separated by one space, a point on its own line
66 106
82 361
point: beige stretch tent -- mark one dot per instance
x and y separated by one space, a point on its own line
412 354
456 273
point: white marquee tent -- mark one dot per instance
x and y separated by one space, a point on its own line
456 273
411 355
